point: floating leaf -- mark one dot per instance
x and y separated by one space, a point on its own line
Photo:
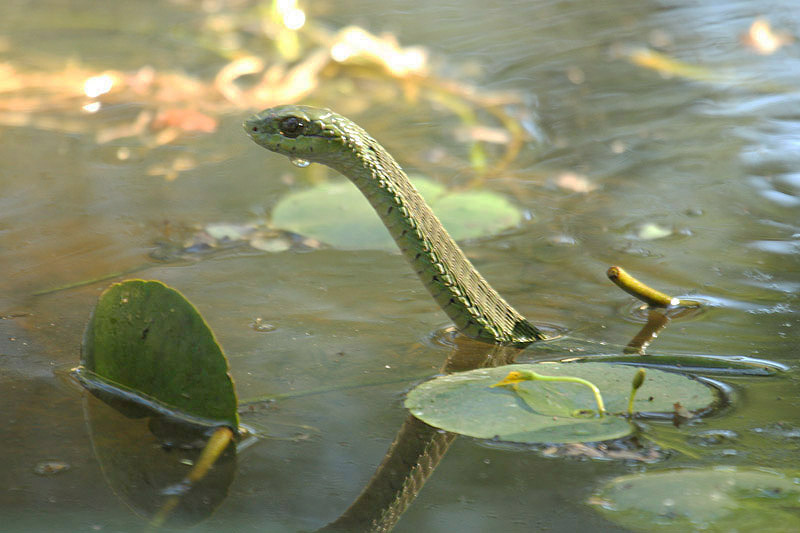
707 364
693 363
339 215
548 412
718 499
145 342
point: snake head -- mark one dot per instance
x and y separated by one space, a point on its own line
300 132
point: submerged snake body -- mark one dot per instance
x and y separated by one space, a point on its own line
319 135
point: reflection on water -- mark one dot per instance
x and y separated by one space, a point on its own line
415 453
711 163
144 463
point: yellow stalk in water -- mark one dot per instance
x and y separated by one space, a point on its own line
636 288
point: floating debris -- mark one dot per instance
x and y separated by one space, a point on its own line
49 468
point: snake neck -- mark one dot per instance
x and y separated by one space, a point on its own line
472 304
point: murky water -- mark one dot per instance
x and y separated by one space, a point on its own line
711 160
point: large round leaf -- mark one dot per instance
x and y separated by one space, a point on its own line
146 343
337 214
536 411
713 500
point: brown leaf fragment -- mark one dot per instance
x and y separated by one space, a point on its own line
681 415
185 120
573 181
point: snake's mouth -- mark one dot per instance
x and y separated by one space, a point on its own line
262 126
263 132
269 131
256 126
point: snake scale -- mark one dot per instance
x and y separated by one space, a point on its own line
322 136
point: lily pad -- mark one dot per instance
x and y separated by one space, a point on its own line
147 344
707 364
466 403
735 365
718 499
337 214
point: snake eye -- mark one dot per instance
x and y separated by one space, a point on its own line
291 127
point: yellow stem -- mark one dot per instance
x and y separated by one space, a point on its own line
515 377
636 288
213 449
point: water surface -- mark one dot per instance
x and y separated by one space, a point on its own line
714 162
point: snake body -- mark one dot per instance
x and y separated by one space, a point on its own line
322 136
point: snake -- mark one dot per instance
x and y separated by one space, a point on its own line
309 134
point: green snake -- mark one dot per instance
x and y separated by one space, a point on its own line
318 135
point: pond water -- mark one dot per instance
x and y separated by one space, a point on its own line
702 153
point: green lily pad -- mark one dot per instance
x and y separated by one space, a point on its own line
706 364
337 214
147 344
537 411
718 499
735 365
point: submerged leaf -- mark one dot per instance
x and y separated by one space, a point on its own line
719 499
146 343
339 215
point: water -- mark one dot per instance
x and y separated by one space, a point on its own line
713 163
